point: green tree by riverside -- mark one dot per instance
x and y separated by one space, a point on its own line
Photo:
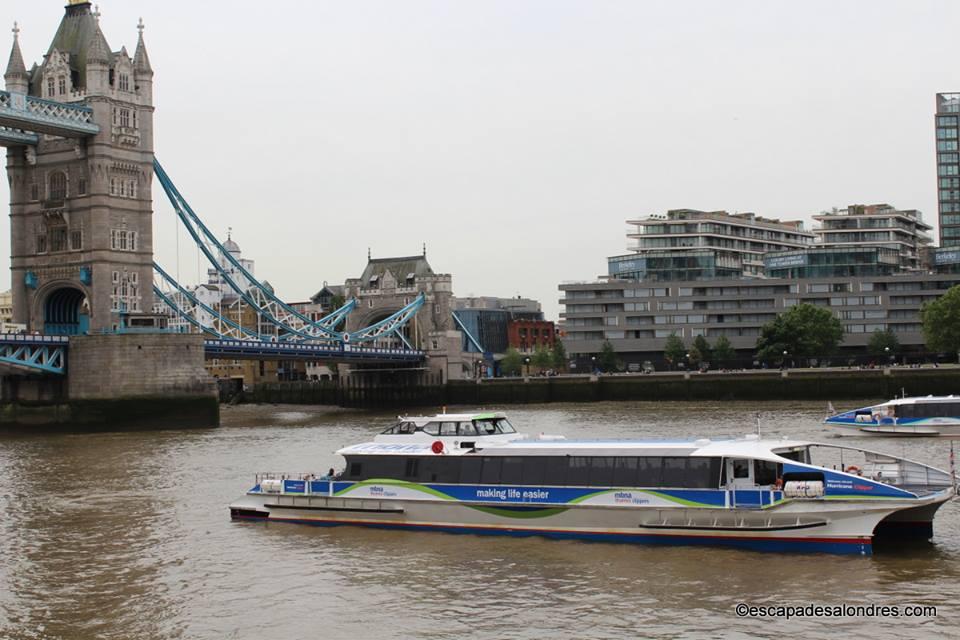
805 331
541 358
512 362
941 322
674 350
883 343
559 357
702 345
723 352
608 360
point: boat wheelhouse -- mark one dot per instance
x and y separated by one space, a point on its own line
473 473
918 416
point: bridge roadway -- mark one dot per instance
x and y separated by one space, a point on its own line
48 354
22 117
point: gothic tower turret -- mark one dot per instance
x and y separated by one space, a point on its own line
16 75
81 207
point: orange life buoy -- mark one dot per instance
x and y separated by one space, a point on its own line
437 447
853 469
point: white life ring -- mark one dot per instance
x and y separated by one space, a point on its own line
346 337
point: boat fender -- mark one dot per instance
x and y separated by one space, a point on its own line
853 469
437 446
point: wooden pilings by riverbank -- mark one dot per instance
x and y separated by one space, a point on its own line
797 384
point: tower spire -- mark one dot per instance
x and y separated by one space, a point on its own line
141 61
16 74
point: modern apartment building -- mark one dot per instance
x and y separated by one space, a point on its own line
686 244
948 167
638 317
876 225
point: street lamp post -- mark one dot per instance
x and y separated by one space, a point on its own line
784 358
687 363
593 364
526 361
890 356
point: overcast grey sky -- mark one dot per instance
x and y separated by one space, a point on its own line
516 137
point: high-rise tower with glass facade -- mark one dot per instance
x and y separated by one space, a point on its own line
948 168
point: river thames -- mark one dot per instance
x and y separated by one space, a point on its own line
128 535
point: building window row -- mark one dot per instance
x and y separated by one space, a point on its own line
123 188
58 238
123 240
125 295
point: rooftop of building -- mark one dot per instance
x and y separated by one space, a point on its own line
745 219
402 268
881 210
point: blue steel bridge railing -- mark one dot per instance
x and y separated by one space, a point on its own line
47 354
37 115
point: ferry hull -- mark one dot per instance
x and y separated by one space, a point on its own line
833 527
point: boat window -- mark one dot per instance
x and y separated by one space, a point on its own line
556 471
512 471
625 472
448 428
648 472
467 429
796 455
929 410
355 470
490 474
534 470
440 469
504 426
601 472
432 428
702 473
578 471
741 468
401 427
766 472
486 427
412 469
470 469
674 470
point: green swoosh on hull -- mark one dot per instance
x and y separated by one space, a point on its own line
394 483
443 496
658 494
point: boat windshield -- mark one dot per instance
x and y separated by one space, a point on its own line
401 428
494 426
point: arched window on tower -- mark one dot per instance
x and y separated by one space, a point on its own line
62 81
50 87
58 186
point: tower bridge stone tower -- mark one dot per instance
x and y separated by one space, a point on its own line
389 284
81 208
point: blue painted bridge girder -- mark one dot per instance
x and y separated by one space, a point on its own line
34 353
255 350
22 115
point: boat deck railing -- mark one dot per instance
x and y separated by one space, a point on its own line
286 475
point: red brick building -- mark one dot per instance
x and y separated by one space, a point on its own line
528 335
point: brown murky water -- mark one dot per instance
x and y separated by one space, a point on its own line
127 535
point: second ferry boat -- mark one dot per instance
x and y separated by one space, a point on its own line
473 473
919 416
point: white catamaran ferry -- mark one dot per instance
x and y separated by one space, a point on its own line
921 416
473 473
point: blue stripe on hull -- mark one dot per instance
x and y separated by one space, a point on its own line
818 545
